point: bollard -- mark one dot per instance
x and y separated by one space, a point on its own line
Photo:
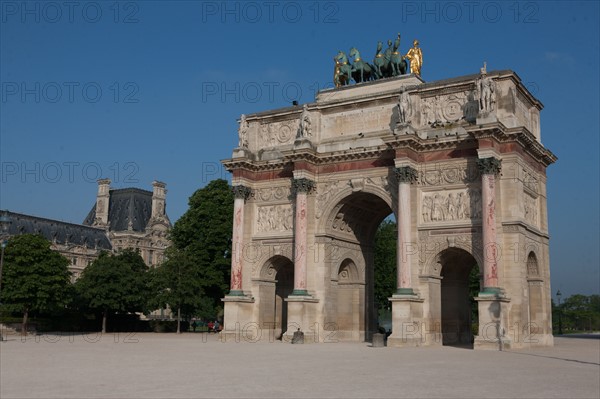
378 340
298 337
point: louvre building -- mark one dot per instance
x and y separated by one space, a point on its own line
120 218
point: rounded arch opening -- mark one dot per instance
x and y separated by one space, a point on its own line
461 282
277 283
352 225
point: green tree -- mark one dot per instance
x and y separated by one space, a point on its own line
385 262
179 284
203 236
580 312
35 278
114 283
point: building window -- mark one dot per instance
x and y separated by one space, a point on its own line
150 258
74 261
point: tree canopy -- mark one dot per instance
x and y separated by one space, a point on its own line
35 278
385 263
114 283
202 247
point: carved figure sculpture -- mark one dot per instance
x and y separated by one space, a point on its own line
485 87
415 56
305 129
404 107
243 132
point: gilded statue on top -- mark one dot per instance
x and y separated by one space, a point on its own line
386 64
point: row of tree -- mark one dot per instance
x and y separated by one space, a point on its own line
577 313
191 280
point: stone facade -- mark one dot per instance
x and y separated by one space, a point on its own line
121 218
463 170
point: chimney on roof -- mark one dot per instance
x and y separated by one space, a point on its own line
159 194
102 202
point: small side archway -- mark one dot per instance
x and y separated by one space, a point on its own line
455 298
276 283
350 302
535 288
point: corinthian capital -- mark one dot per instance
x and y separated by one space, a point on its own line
406 174
241 191
489 166
302 185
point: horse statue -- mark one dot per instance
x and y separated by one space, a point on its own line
379 61
343 70
397 61
361 71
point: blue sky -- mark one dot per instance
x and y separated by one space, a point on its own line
138 91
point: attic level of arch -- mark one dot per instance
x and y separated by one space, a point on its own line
498 138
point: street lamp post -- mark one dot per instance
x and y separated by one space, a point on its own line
558 295
5 224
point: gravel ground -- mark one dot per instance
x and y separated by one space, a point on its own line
199 365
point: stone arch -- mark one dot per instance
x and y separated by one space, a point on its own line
262 256
535 300
337 201
348 272
432 266
356 268
448 293
275 284
352 219
348 294
533 269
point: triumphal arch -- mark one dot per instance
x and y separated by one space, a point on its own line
458 162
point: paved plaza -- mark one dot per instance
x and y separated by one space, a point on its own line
199 365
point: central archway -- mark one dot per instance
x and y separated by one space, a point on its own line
350 232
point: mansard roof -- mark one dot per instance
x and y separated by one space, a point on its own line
128 209
58 232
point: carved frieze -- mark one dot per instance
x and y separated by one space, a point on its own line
530 208
448 174
439 110
530 181
275 218
451 205
277 133
273 193
325 191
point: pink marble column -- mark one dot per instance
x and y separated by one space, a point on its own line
489 168
406 176
301 188
240 194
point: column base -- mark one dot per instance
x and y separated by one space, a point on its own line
300 293
503 343
237 316
236 293
493 322
302 314
492 291
404 291
407 320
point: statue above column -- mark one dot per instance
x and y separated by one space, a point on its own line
387 64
